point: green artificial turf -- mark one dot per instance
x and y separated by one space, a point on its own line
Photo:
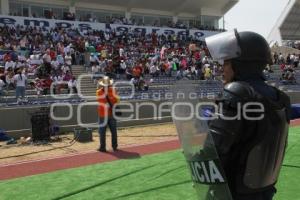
154 177
158 176
288 187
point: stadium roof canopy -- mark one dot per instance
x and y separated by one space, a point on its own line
288 25
194 7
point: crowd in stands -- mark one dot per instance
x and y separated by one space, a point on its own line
47 56
291 59
288 66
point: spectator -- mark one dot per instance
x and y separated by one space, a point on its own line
10 82
20 82
154 71
2 84
296 61
72 85
207 72
95 72
68 59
94 59
57 83
288 76
288 59
47 61
276 58
10 65
60 59
38 86
281 58
123 67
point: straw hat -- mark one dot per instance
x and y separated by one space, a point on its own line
105 82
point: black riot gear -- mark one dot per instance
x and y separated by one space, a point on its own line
242 46
254 48
251 148
248 51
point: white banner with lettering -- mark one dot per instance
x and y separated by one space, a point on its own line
51 23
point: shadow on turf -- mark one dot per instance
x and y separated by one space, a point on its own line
291 166
101 183
114 179
150 190
125 154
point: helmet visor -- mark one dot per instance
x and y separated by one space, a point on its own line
223 46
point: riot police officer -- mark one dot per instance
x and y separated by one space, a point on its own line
251 148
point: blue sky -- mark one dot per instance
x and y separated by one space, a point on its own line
255 15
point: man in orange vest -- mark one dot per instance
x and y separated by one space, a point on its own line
107 97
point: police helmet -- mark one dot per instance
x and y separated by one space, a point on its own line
241 46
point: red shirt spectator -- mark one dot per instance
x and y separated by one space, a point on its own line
47 83
197 55
7 57
137 71
52 55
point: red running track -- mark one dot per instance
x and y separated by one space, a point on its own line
29 168
22 169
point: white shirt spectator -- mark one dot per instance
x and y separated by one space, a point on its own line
65 68
281 57
68 60
292 57
153 69
9 64
1 84
123 65
72 83
20 80
67 50
94 58
107 36
205 60
121 52
95 69
57 79
9 79
193 69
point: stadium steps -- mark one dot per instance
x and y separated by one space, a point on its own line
78 70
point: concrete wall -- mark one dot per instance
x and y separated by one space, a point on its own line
16 121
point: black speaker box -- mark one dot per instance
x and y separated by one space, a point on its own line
40 127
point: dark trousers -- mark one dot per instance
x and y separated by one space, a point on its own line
112 124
